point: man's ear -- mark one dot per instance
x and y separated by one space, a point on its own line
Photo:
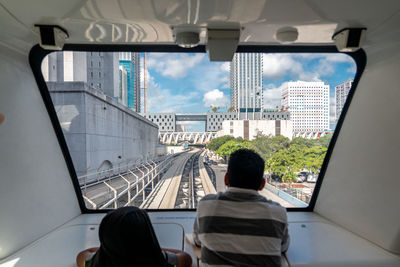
262 185
226 179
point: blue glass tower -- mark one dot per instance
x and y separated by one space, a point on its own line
131 62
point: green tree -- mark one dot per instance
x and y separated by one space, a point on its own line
313 158
302 142
266 146
231 146
214 109
289 177
219 141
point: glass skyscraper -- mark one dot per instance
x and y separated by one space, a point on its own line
246 83
131 63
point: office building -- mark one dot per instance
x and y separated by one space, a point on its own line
213 120
308 104
131 63
248 129
341 92
246 83
98 69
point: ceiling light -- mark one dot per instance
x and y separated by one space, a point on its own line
286 35
187 39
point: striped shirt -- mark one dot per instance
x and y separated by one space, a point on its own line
240 227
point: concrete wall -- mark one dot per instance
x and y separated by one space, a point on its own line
97 128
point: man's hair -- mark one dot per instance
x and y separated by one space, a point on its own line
245 169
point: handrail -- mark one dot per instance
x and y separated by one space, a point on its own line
151 175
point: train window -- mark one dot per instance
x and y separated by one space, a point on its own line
285 106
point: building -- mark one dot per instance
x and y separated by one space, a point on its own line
98 69
248 129
123 86
308 104
213 120
246 83
166 121
131 63
341 92
110 136
180 128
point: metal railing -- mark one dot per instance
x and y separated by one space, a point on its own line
97 177
137 179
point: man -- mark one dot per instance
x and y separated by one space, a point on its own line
240 227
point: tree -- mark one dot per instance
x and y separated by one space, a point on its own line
231 146
289 177
214 109
313 158
219 141
231 109
266 146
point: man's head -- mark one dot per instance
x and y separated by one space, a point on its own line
245 170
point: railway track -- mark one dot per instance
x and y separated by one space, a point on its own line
190 189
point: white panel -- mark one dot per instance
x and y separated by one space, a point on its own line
36 192
360 190
314 242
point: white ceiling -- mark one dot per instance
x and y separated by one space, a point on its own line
149 22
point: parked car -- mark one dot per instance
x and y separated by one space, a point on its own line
302 176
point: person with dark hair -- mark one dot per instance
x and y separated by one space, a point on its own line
239 227
127 239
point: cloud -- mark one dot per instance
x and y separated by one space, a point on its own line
209 77
163 100
272 96
352 69
275 66
173 65
226 66
215 98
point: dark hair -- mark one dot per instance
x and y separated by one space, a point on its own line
245 169
127 238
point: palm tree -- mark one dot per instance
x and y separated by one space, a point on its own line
214 109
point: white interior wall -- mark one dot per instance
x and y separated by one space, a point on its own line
36 192
361 186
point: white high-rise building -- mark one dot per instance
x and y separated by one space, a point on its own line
308 103
341 92
246 83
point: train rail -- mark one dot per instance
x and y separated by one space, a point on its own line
182 188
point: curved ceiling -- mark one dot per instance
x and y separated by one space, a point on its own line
149 22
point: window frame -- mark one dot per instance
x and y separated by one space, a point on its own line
37 54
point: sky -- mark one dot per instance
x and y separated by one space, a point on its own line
190 83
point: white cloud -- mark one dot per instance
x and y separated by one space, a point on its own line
338 58
162 100
173 65
226 66
211 77
215 98
352 69
272 96
275 66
